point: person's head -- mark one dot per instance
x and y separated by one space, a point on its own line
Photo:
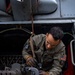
53 37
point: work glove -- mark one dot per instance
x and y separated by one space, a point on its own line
30 61
44 73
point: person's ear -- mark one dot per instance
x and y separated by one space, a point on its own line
47 34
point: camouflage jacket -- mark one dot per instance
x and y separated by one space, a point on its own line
51 60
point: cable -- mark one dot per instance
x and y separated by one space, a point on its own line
69 34
26 30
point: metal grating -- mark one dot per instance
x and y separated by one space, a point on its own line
7 60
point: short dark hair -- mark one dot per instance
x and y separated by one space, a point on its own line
56 32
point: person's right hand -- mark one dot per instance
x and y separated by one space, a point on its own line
30 61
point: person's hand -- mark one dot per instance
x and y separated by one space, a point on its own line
44 73
30 61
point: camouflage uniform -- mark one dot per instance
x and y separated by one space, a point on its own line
50 59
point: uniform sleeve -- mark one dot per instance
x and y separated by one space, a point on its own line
26 50
59 60
36 39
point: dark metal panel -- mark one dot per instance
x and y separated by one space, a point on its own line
2 5
21 10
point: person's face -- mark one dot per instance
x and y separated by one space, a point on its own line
50 42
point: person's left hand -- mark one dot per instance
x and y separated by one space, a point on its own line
44 73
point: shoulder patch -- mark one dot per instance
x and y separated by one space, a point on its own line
63 58
26 46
